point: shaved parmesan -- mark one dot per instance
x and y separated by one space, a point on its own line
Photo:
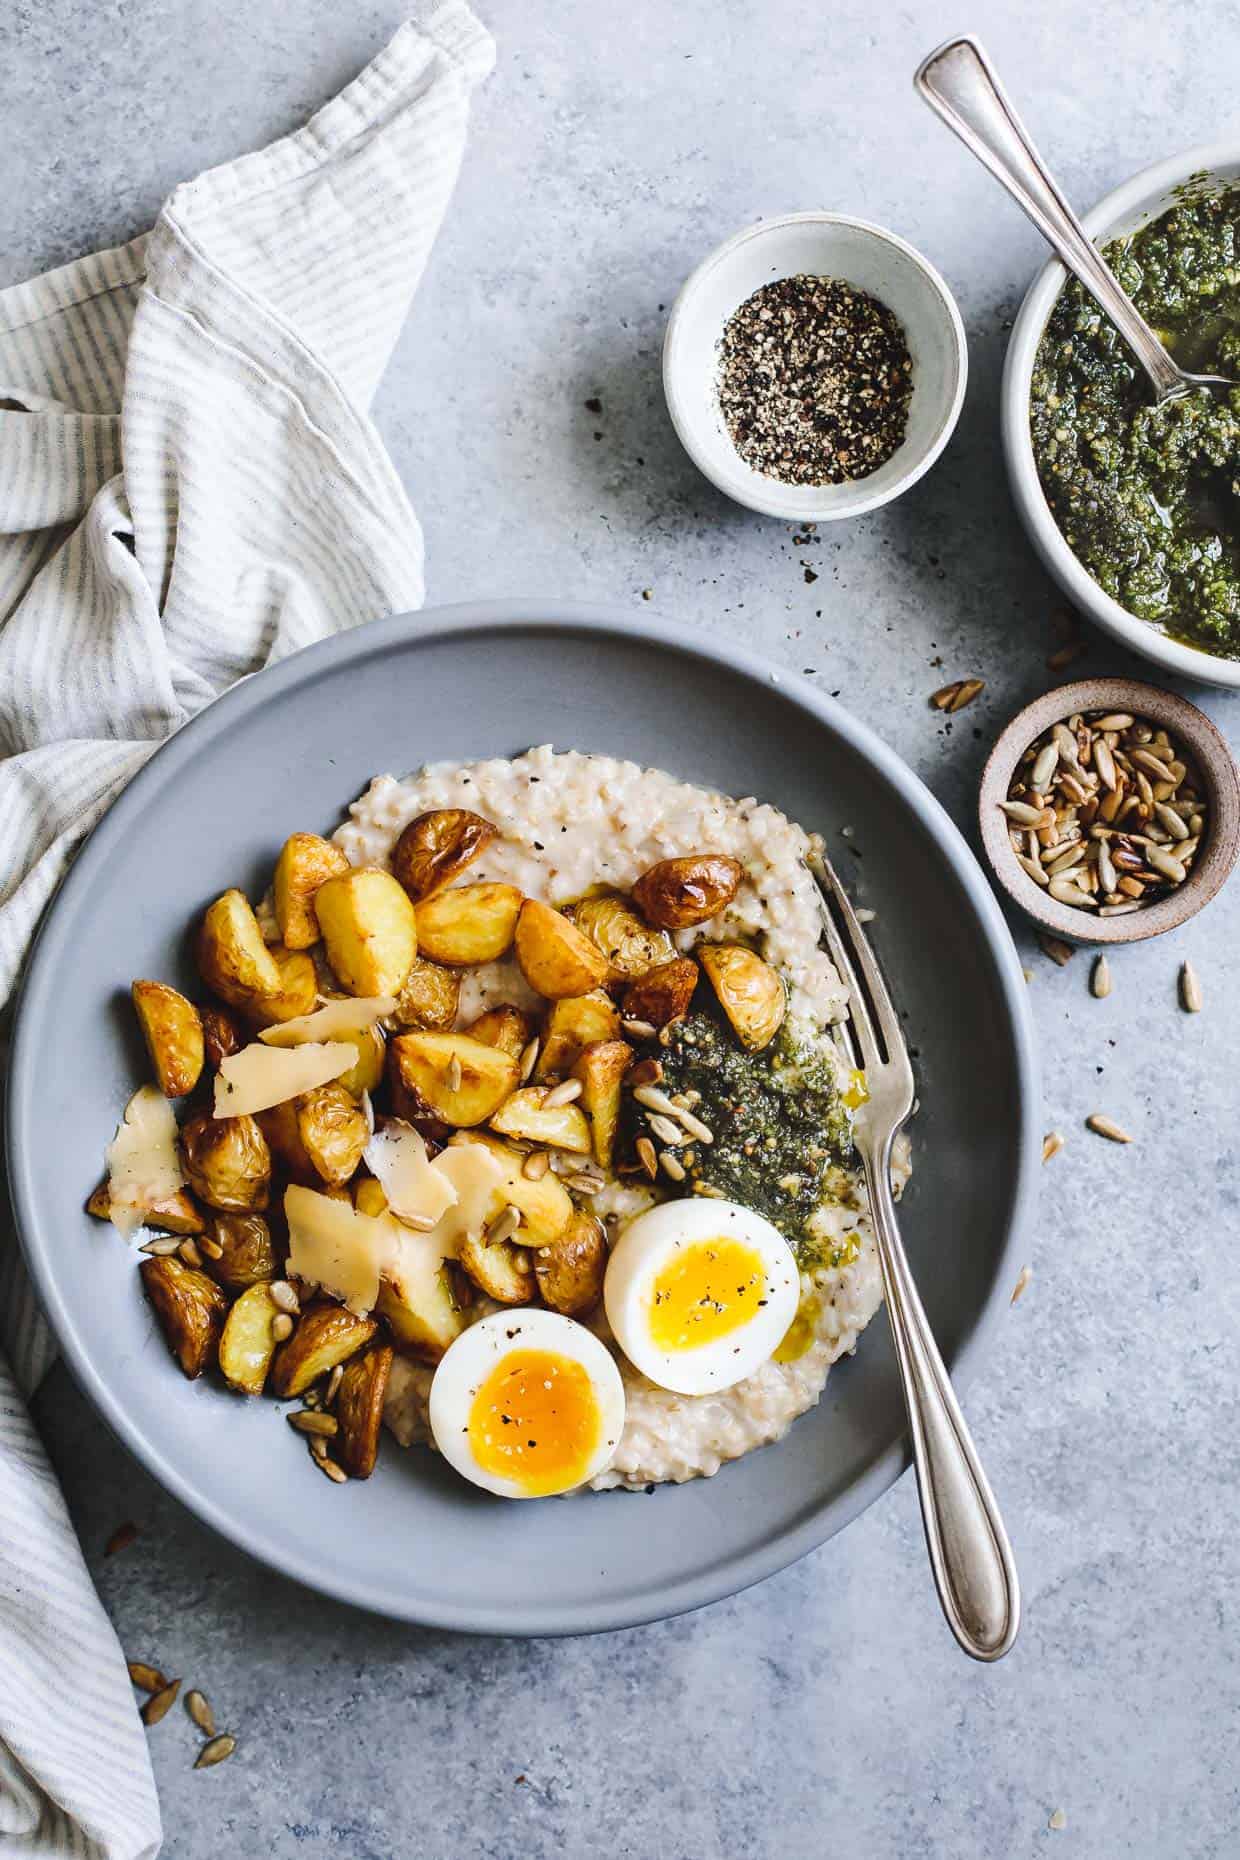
144 1163
335 1021
261 1076
412 1183
333 1246
478 1179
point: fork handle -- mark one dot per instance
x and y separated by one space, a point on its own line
974 1570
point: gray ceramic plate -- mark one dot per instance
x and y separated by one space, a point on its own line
289 749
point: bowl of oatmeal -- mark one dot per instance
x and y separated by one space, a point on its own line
628 1083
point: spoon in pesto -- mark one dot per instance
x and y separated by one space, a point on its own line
961 85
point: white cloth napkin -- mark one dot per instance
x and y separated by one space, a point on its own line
190 489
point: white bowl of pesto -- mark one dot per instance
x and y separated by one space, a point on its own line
1157 630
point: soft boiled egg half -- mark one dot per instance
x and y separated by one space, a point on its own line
699 1293
527 1403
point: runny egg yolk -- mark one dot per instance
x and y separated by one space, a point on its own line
536 1421
705 1291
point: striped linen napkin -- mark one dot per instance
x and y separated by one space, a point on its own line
190 489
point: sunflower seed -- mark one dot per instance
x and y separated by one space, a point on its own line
421 1223
536 1165
1055 948
1066 891
1057 1820
335 1472
211 1248
1106 866
454 1075
1190 989
1022 1284
217 1751
503 1227
672 1166
1032 867
146 1678
1119 910
163 1246
1045 765
584 1184
1064 655
1166 864
284 1297
1106 1127
190 1254
1100 980
160 1703
1168 818
529 1058
645 1072
562 1094
1114 720
665 1130
1104 762
955 696
1052 1143
1064 861
1024 815
308 1421
199 1709
647 1157
282 1327
639 1029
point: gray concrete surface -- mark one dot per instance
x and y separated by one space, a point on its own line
826 1711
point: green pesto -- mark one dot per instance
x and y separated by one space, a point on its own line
1148 497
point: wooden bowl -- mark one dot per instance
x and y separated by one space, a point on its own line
1219 773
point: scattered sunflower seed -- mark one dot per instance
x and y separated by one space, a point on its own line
1100 979
453 1076
955 696
647 1156
160 1703
1190 989
639 1029
665 1130
1022 1284
216 1751
566 1093
645 1072
1058 1820
529 1058
162 1246
121 1538
672 1166
282 1327
1106 1127
536 1165
199 1708
311 1421
503 1227
190 1254
211 1248
333 1385
583 1183
1055 948
283 1297
336 1473
147 1678
1064 655
1052 1143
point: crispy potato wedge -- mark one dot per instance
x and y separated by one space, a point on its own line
435 848
629 944
601 1070
502 1270
525 1117
570 1273
430 996
172 1029
247 1344
221 1034
359 1409
504 1027
368 929
459 1080
191 1309
298 991
751 993
545 1206
572 1025
469 924
305 863
367 1074
333 1131
556 958
227 1162
678 893
324 1336
177 1215
663 994
233 959
249 1255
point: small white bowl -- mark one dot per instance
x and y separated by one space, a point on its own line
828 245
1129 207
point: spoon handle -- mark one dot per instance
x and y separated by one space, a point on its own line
959 82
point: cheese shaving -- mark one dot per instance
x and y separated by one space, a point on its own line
259 1077
478 1178
334 1021
413 1184
144 1163
332 1246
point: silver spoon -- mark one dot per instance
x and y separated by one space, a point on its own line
959 82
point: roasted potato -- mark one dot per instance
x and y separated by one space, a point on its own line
663 995
436 848
556 958
572 1025
505 1027
369 930
172 1030
191 1309
501 1269
221 1034
305 863
526 1117
367 1074
325 1335
417 1298
469 924
630 946
457 1079
247 1344
430 996
677 893
227 1162
298 991
570 1273
601 1070
333 1131
177 1215
280 1127
751 993
233 959
359 1409
545 1205
248 1255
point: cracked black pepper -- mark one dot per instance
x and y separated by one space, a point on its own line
815 381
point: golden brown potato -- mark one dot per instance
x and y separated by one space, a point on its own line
417 1296
545 1205
751 993
677 893
305 863
436 848
664 994
172 1030
280 1127
247 1344
457 1079
324 1336
430 996
369 930
572 1025
505 1027
177 1215
333 1131
469 924
221 1034
630 946
233 959
359 1409
227 1162
570 1273
190 1308
367 1074
556 958
526 1117
501 1270
248 1255
297 994
601 1070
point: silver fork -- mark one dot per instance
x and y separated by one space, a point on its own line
974 1570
